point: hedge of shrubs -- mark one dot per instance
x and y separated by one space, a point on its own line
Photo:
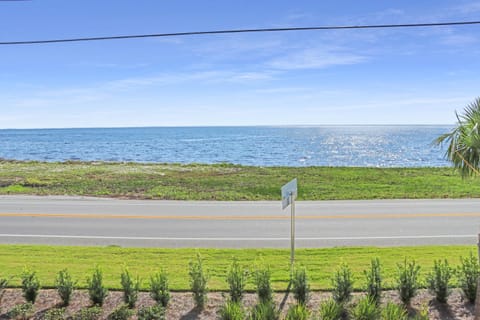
369 306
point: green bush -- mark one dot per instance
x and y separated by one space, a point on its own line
65 286
22 311
156 312
130 288
231 310
123 312
468 274
330 310
198 282
236 279
438 280
298 312
263 285
374 280
422 314
93 313
365 309
393 311
300 286
30 285
342 284
3 285
264 311
96 291
407 281
159 290
55 314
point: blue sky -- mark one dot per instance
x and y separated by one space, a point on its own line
389 76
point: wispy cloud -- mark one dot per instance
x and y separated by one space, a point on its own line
241 48
250 76
211 76
105 91
467 8
459 39
110 65
298 17
277 90
315 59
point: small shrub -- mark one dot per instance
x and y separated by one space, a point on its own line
198 282
263 285
342 284
264 311
374 281
130 288
232 310
467 274
422 314
300 286
22 311
393 311
438 280
330 310
55 314
366 309
407 282
236 279
159 290
65 286
156 312
92 313
30 285
123 312
3 285
96 291
298 312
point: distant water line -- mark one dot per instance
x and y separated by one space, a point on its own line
295 146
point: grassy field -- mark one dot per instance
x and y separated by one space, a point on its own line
320 263
229 182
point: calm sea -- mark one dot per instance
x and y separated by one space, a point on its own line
366 146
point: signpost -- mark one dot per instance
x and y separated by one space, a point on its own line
289 194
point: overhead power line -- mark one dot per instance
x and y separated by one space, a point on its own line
231 31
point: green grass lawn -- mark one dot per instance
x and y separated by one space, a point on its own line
229 182
320 263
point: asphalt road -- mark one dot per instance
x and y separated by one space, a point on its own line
89 221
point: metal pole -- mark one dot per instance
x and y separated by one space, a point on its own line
292 231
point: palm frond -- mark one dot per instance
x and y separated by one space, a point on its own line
464 141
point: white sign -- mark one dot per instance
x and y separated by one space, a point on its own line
289 192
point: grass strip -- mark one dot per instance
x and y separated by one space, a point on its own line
320 263
229 182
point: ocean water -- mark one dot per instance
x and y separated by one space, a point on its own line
364 146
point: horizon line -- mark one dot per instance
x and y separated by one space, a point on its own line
239 126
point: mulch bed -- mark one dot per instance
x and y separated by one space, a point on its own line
182 307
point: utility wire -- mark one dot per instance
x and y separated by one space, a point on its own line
231 31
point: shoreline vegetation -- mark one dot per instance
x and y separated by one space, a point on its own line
229 182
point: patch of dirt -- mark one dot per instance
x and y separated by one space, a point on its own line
181 306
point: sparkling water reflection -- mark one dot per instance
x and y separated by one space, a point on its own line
365 146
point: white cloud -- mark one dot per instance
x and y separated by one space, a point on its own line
299 16
277 90
110 65
212 76
249 76
239 48
471 7
459 39
315 59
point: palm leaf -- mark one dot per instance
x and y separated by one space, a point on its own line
464 141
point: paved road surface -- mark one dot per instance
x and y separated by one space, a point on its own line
87 221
